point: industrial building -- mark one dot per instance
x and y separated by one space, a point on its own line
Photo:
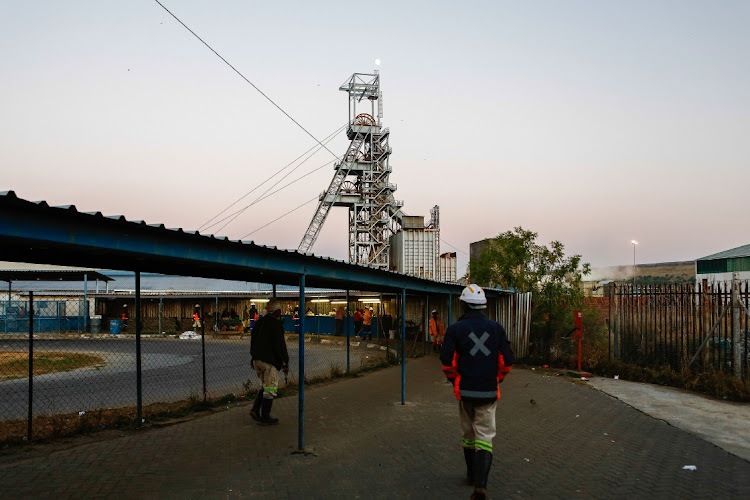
721 266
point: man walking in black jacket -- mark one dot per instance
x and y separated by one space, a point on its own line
476 357
269 355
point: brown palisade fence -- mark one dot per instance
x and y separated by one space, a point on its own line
702 326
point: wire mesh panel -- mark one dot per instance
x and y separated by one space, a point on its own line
191 350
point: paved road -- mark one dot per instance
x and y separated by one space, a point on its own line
572 442
172 371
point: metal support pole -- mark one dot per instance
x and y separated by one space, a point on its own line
7 309
31 365
403 346
85 321
301 397
216 315
736 341
274 290
138 378
346 327
428 315
161 310
203 352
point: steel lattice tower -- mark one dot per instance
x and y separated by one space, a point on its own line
361 181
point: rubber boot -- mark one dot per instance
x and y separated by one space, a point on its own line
265 410
255 412
470 455
482 464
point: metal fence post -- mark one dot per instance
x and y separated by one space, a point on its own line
737 344
7 308
139 381
203 352
403 346
161 310
301 362
31 365
346 327
85 322
426 339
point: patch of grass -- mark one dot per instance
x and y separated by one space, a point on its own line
712 382
56 426
16 364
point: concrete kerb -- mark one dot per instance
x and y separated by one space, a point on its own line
723 423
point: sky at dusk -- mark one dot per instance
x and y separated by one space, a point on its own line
592 123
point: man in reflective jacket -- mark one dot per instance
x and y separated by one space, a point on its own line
476 357
269 355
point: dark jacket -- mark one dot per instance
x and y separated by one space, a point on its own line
267 342
476 357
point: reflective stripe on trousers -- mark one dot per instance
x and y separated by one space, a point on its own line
269 378
477 424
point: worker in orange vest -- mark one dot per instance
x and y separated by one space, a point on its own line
367 324
437 331
196 317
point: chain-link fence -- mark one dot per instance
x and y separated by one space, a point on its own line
90 370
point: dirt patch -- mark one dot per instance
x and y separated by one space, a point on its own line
15 364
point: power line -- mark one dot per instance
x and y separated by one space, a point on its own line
271 194
454 247
263 196
280 217
327 139
242 76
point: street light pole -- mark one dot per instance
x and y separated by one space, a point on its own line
634 243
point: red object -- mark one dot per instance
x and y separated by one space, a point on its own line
578 324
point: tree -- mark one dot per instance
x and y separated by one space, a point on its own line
514 260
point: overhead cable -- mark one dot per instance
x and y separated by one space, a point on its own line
454 247
207 224
243 76
271 194
280 217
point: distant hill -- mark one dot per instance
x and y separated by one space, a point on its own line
659 273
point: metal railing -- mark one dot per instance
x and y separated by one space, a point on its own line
698 326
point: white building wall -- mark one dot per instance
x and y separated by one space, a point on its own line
413 252
721 277
448 265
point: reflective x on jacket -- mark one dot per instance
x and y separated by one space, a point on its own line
476 357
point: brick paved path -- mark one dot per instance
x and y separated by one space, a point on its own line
575 442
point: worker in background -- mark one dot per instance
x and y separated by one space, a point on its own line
437 331
124 317
269 355
339 320
476 357
357 323
367 324
196 317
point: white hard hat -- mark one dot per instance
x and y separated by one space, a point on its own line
474 297
434 311
273 305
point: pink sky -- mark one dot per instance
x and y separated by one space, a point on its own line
590 123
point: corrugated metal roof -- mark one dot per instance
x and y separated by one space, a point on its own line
743 251
66 236
51 275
